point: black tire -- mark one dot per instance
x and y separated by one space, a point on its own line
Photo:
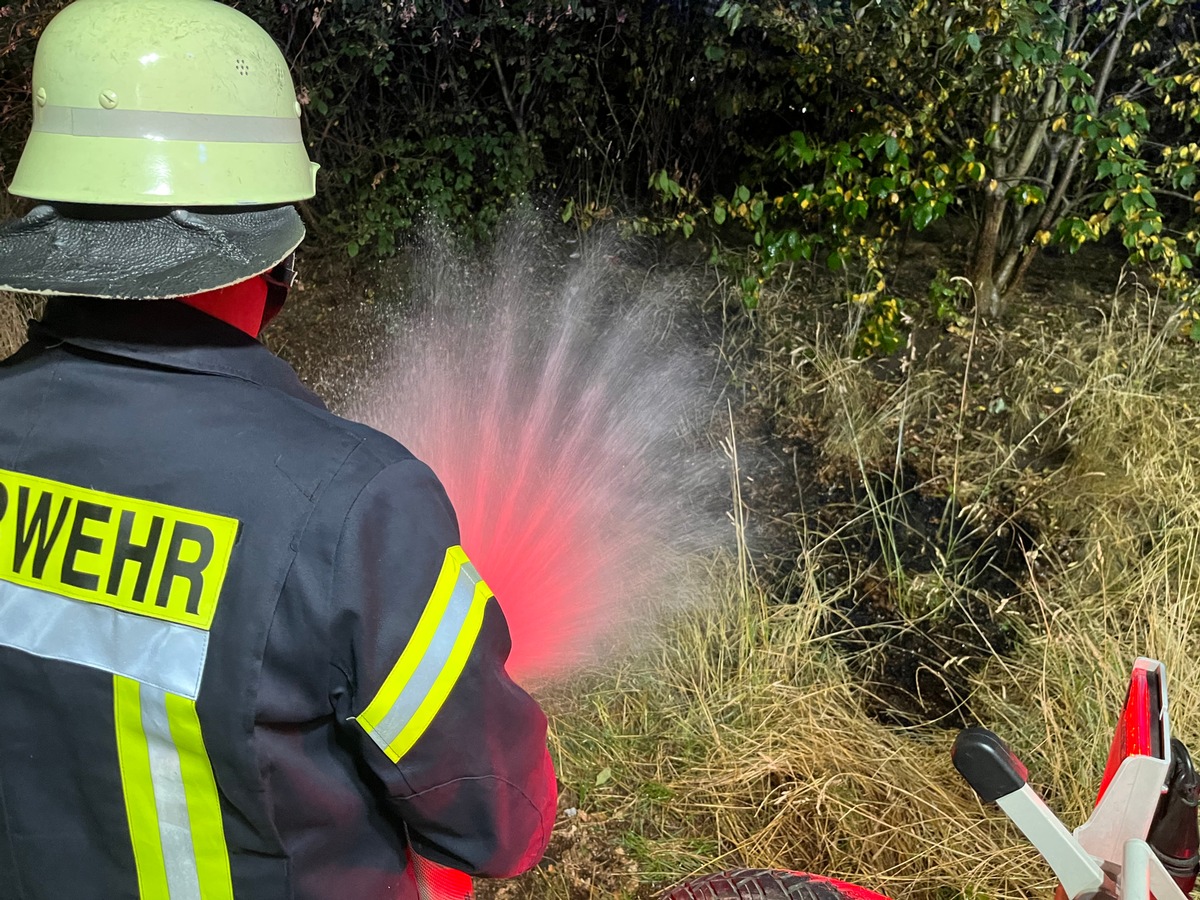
755 884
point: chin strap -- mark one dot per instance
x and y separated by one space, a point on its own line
279 281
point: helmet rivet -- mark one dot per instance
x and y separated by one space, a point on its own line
108 99
40 96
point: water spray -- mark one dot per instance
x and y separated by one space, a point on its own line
564 409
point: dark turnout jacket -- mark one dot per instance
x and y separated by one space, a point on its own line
241 652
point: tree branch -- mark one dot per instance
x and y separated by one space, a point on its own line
518 120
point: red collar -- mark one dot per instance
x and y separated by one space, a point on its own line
242 305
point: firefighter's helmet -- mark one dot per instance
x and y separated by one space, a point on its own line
165 150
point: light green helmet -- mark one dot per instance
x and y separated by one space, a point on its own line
166 151
177 103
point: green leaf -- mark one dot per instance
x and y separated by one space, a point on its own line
604 777
796 144
881 187
569 210
870 144
718 214
714 53
743 194
1069 74
973 41
352 249
732 14
891 147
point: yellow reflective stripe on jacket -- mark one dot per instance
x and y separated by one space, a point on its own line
131 555
170 796
430 665
137 783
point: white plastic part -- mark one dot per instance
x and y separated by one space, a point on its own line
1143 875
1078 873
1127 808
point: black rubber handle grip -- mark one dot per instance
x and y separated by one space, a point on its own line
989 767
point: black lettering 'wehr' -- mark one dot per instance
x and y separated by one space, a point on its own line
175 567
35 531
126 551
3 499
78 542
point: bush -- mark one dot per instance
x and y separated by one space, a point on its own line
455 109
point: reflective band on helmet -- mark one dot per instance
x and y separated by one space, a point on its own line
430 665
163 654
166 126
170 796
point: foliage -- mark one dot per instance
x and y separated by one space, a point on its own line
1051 123
418 107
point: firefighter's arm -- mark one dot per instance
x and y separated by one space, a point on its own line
458 747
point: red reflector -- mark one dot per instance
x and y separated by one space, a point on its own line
1138 731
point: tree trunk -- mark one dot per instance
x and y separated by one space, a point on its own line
983 263
1013 285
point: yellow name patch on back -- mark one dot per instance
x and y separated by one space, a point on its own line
133 555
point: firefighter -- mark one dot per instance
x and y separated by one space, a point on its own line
241 652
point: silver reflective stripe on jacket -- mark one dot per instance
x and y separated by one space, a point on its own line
164 654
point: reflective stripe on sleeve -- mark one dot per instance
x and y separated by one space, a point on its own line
164 654
430 665
171 796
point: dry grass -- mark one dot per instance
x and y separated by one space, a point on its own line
15 311
744 741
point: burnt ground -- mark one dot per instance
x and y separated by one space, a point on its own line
921 598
